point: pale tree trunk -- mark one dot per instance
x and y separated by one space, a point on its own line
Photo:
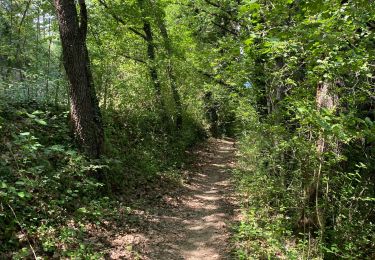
49 57
325 99
85 113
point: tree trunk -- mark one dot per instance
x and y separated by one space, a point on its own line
172 78
325 99
49 58
152 66
85 112
151 55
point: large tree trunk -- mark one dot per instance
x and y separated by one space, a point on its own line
85 112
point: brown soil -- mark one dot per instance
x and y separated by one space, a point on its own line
191 222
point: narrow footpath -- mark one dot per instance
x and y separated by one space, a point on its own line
195 224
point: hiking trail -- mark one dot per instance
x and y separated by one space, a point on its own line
194 221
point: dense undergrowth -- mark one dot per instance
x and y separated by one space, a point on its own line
49 192
286 217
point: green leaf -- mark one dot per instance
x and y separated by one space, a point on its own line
37 112
3 185
83 210
369 121
31 115
57 148
249 41
21 194
301 109
40 121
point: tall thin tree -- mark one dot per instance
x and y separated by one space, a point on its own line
170 69
85 113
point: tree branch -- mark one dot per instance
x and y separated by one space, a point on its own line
120 20
219 7
213 4
229 16
23 16
225 29
218 81
134 58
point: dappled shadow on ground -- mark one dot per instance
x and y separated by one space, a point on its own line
190 222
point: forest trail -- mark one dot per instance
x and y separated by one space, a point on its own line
194 222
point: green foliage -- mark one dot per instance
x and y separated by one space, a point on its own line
271 175
139 157
49 190
51 187
292 80
315 159
44 182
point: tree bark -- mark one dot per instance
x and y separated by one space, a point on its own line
85 113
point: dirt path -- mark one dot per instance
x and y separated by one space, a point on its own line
199 228
194 222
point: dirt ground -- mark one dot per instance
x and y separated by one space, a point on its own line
192 222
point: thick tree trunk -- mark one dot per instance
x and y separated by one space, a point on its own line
85 112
